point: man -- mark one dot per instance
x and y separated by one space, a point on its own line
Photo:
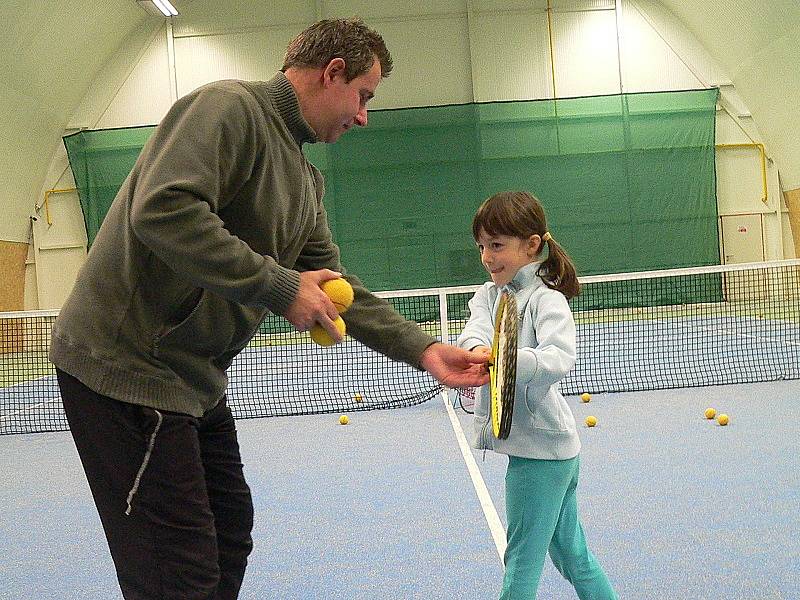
220 221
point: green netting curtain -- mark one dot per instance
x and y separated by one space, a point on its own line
628 182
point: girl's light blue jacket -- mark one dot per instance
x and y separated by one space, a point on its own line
542 425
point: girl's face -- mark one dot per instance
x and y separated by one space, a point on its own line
504 255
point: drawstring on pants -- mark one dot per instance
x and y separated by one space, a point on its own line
146 460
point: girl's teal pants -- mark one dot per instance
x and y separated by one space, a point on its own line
542 512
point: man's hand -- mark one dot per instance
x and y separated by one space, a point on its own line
455 367
312 305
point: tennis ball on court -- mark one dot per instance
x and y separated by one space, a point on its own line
710 413
340 292
723 419
321 336
591 421
586 396
344 420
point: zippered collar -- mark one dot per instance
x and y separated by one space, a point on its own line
284 98
527 276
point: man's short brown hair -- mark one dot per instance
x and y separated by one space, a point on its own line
348 39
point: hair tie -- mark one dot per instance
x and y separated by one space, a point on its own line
547 237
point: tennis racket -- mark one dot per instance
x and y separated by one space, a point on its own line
503 366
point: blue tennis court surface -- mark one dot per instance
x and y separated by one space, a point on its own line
674 506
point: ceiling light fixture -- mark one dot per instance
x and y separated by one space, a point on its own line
166 8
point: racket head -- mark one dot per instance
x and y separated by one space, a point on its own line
503 368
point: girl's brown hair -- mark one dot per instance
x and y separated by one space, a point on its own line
520 215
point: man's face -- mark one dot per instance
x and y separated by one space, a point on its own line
346 102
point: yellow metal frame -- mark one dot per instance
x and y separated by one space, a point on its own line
46 202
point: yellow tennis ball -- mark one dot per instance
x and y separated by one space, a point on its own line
340 292
344 420
723 419
321 336
591 421
586 396
359 398
710 413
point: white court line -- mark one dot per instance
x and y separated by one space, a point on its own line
27 409
733 333
489 511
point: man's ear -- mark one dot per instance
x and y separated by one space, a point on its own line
335 68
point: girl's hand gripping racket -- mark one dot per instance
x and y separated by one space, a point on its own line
503 365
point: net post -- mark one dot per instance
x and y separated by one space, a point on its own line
445 327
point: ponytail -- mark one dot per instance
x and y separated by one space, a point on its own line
558 271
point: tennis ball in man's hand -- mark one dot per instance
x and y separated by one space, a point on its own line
586 396
344 420
723 419
340 292
321 336
710 413
591 421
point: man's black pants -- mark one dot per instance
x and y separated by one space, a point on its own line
170 491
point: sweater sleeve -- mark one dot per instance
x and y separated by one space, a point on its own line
193 166
370 320
479 330
554 354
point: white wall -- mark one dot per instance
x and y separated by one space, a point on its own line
447 52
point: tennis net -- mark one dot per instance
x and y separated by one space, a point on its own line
635 331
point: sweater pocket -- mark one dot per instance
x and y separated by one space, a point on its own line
546 410
194 329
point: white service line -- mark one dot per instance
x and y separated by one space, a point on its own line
30 408
754 337
490 512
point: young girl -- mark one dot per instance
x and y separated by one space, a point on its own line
541 506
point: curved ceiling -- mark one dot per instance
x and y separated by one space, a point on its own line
756 42
59 46
51 53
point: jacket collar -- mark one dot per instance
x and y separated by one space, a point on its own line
285 100
527 276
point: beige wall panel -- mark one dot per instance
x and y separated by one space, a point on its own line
60 250
739 181
200 17
774 237
649 22
372 12
586 58
251 55
143 98
57 270
431 63
67 227
510 56
649 64
499 6
732 130
581 5
31 301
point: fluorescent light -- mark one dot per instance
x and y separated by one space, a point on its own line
166 8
